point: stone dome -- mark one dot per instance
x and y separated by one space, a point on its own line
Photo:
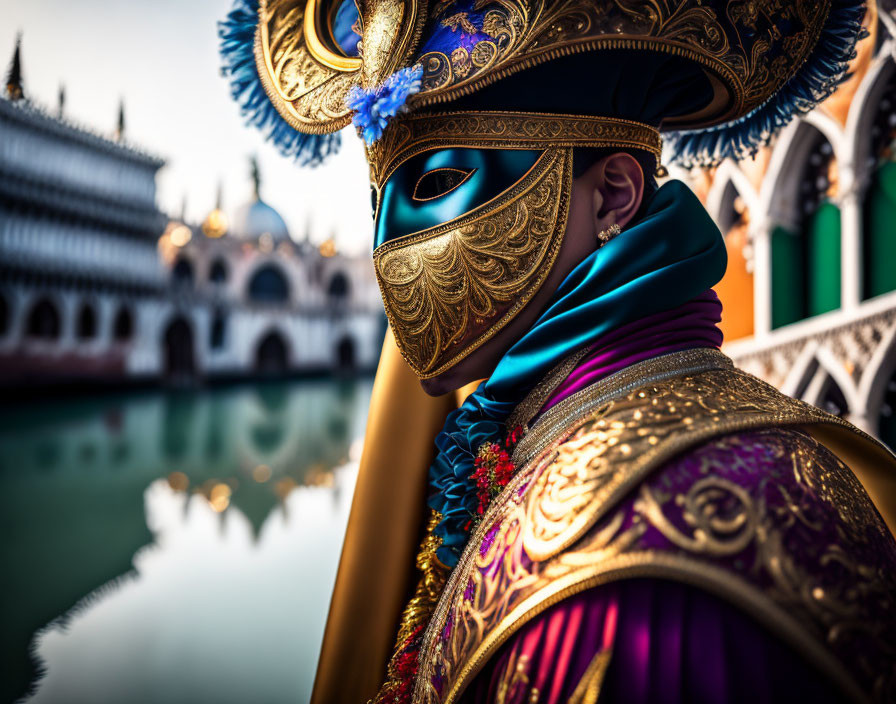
258 218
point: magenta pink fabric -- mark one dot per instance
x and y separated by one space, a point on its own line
671 644
689 326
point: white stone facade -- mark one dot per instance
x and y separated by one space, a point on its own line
329 317
91 290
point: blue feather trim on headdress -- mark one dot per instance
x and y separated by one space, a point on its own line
237 35
816 80
375 107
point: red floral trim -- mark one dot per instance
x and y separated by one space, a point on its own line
403 670
493 470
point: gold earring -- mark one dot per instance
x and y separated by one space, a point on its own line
608 234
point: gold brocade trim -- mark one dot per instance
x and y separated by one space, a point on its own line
545 521
559 418
588 689
408 136
534 401
449 289
419 609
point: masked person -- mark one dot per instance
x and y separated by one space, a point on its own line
616 513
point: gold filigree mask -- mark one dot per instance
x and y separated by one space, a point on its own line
471 213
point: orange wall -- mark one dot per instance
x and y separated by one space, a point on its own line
736 288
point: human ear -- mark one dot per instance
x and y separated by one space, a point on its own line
618 183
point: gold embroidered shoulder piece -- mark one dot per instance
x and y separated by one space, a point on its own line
798 545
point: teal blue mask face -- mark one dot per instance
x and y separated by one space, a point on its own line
439 186
463 238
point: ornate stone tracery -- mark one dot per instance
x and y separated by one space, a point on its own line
852 346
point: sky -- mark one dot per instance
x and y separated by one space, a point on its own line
161 58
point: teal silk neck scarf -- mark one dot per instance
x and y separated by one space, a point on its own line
673 254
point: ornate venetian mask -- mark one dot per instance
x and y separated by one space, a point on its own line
449 287
467 232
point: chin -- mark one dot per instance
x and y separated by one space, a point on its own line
442 384
434 387
472 369
453 379
475 367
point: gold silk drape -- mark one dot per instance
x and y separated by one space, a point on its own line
384 528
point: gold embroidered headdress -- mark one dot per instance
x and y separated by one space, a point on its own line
765 60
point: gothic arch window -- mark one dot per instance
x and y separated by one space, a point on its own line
736 288
86 322
123 325
804 380
272 354
346 356
268 285
338 287
180 363
879 240
217 273
823 382
806 260
182 274
43 320
833 400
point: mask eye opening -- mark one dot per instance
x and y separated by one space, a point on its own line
438 183
374 201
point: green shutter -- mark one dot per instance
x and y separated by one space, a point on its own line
823 260
880 232
788 282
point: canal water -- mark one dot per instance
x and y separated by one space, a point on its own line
173 546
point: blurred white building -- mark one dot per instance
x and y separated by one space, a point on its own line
262 301
98 285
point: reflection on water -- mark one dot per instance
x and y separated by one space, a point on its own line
174 547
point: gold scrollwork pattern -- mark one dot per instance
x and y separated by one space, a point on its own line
406 137
719 514
392 30
449 289
751 46
625 436
780 527
308 91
